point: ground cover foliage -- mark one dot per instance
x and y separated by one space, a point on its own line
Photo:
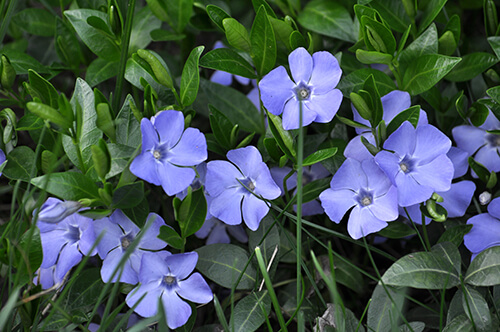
324 165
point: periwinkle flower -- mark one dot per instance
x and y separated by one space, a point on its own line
2 158
365 187
46 277
236 187
55 210
64 244
485 232
313 85
418 165
170 280
484 146
119 232
393 103
167 150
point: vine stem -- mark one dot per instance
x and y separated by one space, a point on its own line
124 55
300 156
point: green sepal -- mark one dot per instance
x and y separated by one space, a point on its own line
434 211
361 105
482 172
370 147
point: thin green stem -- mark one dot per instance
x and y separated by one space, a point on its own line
6 20
300 157
124 55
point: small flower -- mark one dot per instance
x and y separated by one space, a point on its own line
234 187
215 231
46 277
478 142
364 186
485 232
64 244
168 278
418 166
223 77
55 210
166 149
118 234
314 82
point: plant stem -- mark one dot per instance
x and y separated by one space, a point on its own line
300 152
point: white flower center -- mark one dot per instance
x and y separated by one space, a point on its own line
365 201
157 154
169 280
404 167
303 93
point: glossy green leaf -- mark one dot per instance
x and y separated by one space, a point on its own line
169 235
70 186
282 137
318 156
370 57
224 263
229 61
251 312
179 13
384 308
472 64
397 230
36 21
459 324
425 270
143 24
101 70
99 42
485 268
476 309
263 43
22 62
426 43
236 34
43 88
217 15
393 12
192 213
455 234
354 81
67 45
165 35
494 42
411 114
430 12
221 127
447 43
20 164
330 19
426 71
378 36
128 196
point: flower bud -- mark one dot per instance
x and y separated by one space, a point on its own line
8 74
484 198
54 210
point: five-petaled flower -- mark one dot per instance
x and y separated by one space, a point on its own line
485 232
166 151
167 277
364 186
236 187
415 161
313 85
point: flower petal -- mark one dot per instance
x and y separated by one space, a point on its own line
291 115
248 160
377 180
174 179
112 260
349 176
264 183
149 135
181 265
485 233
170 126
221 77
430 143
152 268
176 310
494 208
227 206
254 210
337 202
410 192
221 174
355 149
394 103
301 65
362 222
402 140
326 72
389 163
488 156
219 234
437 174
112 234
148 307
190 150
195 289
144 167
69 257
325 105
385 207
150 239
469 138
275 89
457 199
459 159
52 242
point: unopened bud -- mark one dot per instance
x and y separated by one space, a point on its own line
54 210
8 74
484 198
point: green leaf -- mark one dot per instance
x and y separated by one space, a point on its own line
221 127
318 156
36 21
282 32
494 42
312 190
263 43
192 213
425 270
87 133
236 34
426 43
251 312
235 105
347 275
128 130
96 40
32 254
179 13
354 81
224 263
393 12
330 19
22 62
70 186
378 36
397 230
229 61
20 164
455 234
430 12
484 270
472 64
48 113
257 3
426 71
165 35
143 24
282 137
8 307
450 252
217 15
44 89
101 70
411 114
67 45
128 196
369 57
385 307
267 243
190 80
159 70
476 309
459 324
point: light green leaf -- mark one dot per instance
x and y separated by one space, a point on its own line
101 70
236 34
485 268
459 324
472 64
70 186
192 213
393 11
229 61
318 156
144 22
190 80
426 43
383 312
430 12
20 164
263 43
36 21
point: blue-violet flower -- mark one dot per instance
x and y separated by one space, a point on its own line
485 232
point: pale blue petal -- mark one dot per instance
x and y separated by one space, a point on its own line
191 149
485 233
326 72
386 207
111 238
170 126
278 174
355 149
362 222
264 183
491 122
253 210
181 265
459 159
219 234
275 89
394 103
152 268
337 202
150 239
389 163
430 143
325 105
494 208
377 180
402 140
469 138
148 307
291 115
227 206
409 191
176 310
52 242
221 77
144 167
195 289
458 198
149 135
221 174
489 158
174 179
349 176
437 174
248 160
69 257
301 65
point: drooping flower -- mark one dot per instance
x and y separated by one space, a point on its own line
167 150
485 232
314 82
215 231
393 103
365 187
478 142
118 234
236 187
170 280
55 210
46 277
418 165
65 243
